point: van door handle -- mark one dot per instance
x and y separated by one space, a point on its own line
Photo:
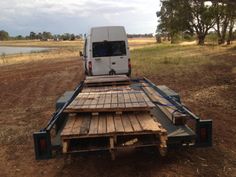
121 57
97 58
113 63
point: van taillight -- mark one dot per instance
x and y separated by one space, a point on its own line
129 63
90 66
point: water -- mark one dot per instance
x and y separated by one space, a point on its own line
17 50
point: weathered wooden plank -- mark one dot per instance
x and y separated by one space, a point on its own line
68 127
65 146
87 100
102 124
126 123
84 129
110 124
147 123
114 100
81 99
147 100
121 100
141 101
133 99
107 102
118 123
134 122
127 99
93 129
77 125
94 100
101 101
106 79
167 108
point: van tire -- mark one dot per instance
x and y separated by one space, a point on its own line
112 72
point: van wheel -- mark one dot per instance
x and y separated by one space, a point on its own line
112 72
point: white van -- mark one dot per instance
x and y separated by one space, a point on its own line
106 51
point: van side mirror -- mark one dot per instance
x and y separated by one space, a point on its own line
81 53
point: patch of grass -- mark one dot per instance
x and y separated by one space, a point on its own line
174 59
53 54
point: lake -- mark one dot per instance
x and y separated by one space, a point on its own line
17 50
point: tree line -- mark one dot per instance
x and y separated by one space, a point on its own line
49 36
140 35
197 18
4 35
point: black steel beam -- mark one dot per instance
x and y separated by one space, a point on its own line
58 114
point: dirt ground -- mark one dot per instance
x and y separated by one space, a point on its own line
28 93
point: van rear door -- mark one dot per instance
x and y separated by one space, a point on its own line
100 54
118 50
118 59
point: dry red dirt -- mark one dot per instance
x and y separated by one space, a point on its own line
28 93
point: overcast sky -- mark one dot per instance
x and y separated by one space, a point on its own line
77 16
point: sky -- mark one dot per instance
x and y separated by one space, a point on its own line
19 17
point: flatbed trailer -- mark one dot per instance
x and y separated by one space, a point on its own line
109 113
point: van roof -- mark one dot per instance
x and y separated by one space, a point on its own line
107 33
107 27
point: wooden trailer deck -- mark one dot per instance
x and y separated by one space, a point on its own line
107 131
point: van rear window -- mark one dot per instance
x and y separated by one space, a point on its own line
109 48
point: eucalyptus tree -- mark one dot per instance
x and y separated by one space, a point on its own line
191 16
225 15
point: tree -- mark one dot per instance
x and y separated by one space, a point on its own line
39 36
4 35
72 37
19 37
158 38
232 21
66 36
173 18
32 35
202 19
46 35
188 16
225 18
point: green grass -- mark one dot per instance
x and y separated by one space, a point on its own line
174 59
